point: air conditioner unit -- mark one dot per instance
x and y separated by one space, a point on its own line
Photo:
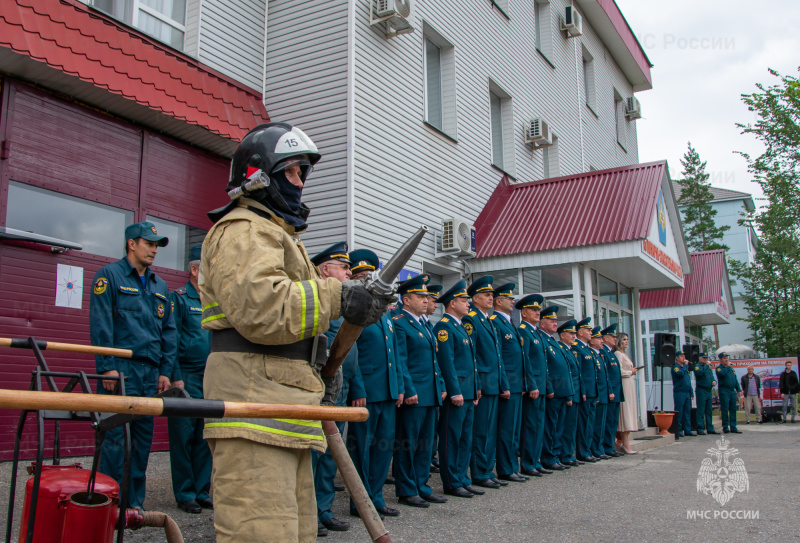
538 133
572 23
393 15
458 237
633 110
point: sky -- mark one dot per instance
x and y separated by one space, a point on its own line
706 54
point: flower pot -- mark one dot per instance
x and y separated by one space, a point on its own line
664 421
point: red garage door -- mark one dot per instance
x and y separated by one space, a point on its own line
75 174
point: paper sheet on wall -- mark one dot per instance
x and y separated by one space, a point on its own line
69 286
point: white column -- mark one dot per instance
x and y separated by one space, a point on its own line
576 291
641 359
587 285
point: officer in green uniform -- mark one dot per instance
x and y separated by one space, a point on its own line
616 394
129 309
587 408
604 394
729 389
560 387
189 455
682 394
433 292
566 333
704 381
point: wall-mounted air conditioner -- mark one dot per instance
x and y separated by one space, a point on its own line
538 133
458 238
393 15
572 23
633 110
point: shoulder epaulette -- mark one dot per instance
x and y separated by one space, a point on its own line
492 317
472 313
574 343
181 290
444 319
522 326
397 317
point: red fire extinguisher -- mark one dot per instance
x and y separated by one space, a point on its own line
66 514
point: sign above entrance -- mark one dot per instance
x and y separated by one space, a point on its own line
661 212
652 250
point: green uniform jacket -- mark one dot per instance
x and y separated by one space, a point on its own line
726 379
194 343
703 376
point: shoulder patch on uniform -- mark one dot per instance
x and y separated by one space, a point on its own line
472 313
523 326
676 370
492 317
468 327
160 311
442 335
100 285
181 290
574 343
697 368
444 319
397 317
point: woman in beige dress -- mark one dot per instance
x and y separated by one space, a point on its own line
629 409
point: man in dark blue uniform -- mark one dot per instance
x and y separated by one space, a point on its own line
682 394
704 380
560 382
615 389
335 262
603 395
457 360
189 455
129 309
433 293
416 419
587 408
509 421
729 389
566 333
493 379
536 386
371 442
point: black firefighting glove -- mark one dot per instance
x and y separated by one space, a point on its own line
360 307
333 386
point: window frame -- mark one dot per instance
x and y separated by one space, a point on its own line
507 130
447 83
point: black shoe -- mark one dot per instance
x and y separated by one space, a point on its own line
335 525
590 459
205 503
476 491
459 493
435 462
544 471
531 472
338 488
736 431
433 498
701 433
388 511
615 454
570 463
499 482
725 430
690 434
518 474
434 469
761 422
712 432
580 463
513 477
555 467
354 512
414 501
747 422
486 483
604 457
389 481
322 531
190 506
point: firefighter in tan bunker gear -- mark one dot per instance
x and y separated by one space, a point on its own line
267 308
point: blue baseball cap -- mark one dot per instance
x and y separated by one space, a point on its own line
195 253
145 230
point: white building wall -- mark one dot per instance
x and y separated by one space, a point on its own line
307 85
407 173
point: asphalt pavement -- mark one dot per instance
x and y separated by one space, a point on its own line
650 496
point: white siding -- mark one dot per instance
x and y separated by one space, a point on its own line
407 173
191 38
306 85
231 39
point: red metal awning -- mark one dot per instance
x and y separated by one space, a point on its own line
591 208
704 285
71 37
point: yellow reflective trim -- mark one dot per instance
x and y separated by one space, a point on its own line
260 428
316 306
213 318
209 306
302 309
310 423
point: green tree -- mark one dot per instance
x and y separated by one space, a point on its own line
772 282
702 233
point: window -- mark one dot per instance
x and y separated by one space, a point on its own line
99 228
501 277
619 120
625 296
566 307
543 28
589 93
550 159
608 289
547 279
664 325
175 255
502 121
440 82
162 19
